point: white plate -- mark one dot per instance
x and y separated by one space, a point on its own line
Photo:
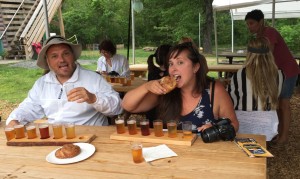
87 150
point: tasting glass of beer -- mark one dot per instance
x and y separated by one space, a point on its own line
131 124
187 129
144 125
31 131
132 76
120 124
70 130
9 133
20 131
158 128
172 128
57 130
44 130
137 152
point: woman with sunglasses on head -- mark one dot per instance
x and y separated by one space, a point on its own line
196 97
284 61
110 62
255 88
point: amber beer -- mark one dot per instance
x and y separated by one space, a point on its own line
172 129
31 131
70 130
9 133
158 128
144 124
44 131
137 153
187 129
57 131
20 131
132 126
120 125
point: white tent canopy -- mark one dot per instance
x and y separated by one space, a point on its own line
282 10
271 8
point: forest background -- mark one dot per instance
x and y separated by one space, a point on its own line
161 22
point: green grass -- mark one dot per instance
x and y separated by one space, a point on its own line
15 82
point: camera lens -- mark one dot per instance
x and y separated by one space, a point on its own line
210 135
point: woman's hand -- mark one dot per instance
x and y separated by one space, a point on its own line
81 95
203 127
155 87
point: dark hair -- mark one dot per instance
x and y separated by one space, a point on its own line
161 57
255 15
107 45
170 106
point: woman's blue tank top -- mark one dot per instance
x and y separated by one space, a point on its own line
202 114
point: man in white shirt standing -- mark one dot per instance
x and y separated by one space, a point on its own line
110 61
88 102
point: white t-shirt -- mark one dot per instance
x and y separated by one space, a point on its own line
119 64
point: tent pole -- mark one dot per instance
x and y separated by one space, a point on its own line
133 29
273 14
128 32
232 29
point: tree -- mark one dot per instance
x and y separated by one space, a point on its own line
208 28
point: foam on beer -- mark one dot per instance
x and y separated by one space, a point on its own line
131 122
120 121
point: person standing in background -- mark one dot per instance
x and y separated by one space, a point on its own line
110 61
284 61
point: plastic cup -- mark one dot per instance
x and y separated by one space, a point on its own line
131 124
70 130
57 131
44 131
20 131
144 125
31 131
172 129
158 128
132 76
120 124
187 129
9 133
137 152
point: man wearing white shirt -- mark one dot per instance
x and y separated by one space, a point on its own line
88 102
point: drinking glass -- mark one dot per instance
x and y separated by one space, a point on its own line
158 128
172 128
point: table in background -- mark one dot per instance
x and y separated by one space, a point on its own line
140 70
230 56
113 159
134 83
226 68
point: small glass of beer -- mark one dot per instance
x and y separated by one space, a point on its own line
20 131
172 128
57 130
44 130
120 124
9 133
70 130
144 124
137 152
31 131
158 128
187 129
131 124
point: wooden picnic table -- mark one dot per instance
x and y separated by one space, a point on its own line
113 159
134 83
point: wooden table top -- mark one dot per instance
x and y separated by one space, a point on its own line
113 159
134 83
224 68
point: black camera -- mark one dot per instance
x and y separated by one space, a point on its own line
221 130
